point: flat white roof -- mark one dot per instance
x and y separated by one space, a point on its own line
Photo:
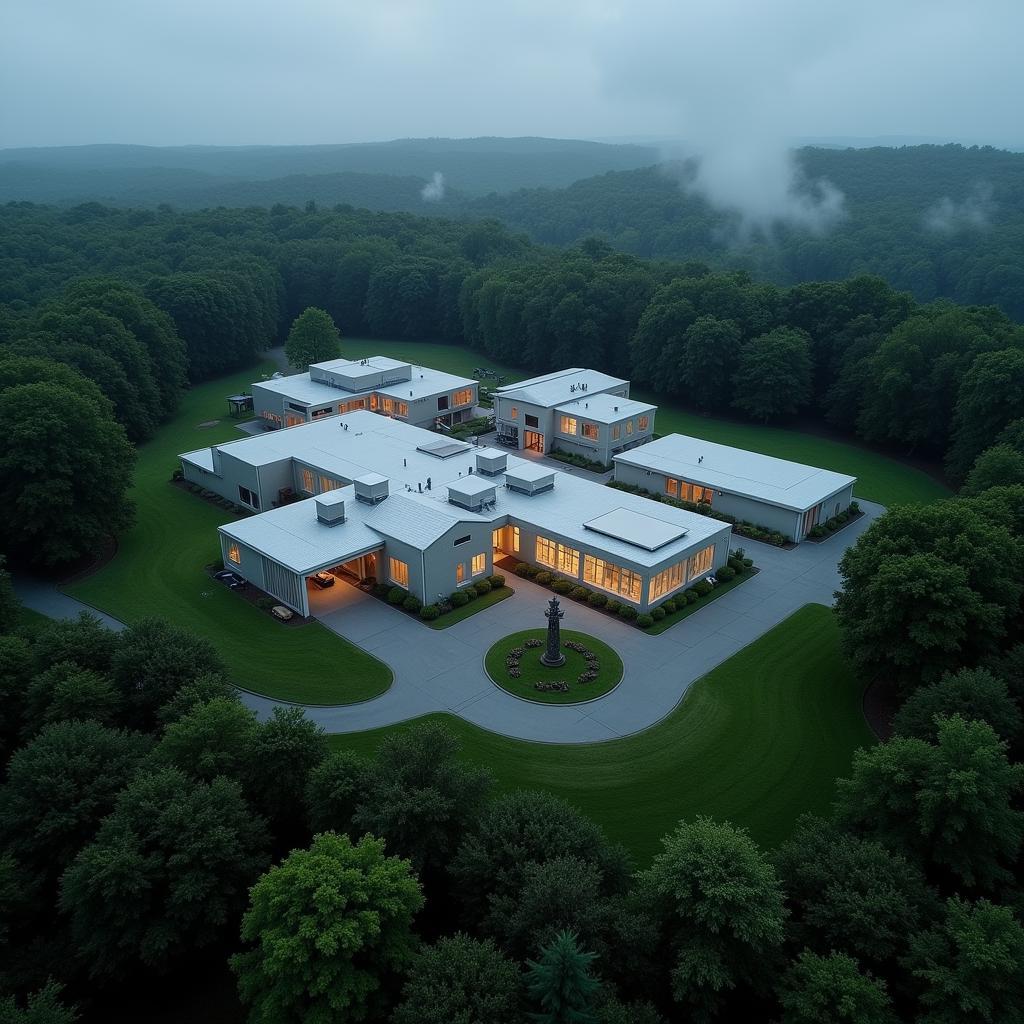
553 389
376 362
425 383
605 408
636 528
380 445
789 485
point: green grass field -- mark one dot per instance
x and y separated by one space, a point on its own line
879 477
158 570
758 742
608 675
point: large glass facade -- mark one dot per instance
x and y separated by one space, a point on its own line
547 552
686 491
667 580
611 577
701 562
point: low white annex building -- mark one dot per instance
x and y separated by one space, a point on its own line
585 412
429 513
416 394
785 496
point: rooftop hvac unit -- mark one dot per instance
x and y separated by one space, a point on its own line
330 508
491 462
371 488
529 479
472 493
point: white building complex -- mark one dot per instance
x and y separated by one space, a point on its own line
415 394
379 497
581 411
784 496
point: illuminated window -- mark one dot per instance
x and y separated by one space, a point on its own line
402 408
629 426
611 577
547 552
616 431
496 538
694 492
374 401
515 538
327 484
568 560
700 563
388 406
479 564
589 431
307 481
234 553
463 397
460 572
643 422
399 572
668 580
514 413
672 486
568 425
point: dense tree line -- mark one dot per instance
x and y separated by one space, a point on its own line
148 821
140 302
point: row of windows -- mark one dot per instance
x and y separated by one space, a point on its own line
557 556
612 577
478 566
310 482
675 576
686 491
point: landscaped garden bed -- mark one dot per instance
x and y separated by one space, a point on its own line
836 523
579 461
591 667
683 604
445 611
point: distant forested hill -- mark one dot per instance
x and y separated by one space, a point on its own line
471 166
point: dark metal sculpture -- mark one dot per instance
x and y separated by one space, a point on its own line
553 656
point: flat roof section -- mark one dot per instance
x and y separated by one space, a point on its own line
636 528
790 485
552 389
604 408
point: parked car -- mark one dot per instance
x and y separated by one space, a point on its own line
280 612
323 580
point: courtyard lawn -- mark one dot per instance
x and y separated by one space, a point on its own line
758 741
879 478
608 675
158 570
479 604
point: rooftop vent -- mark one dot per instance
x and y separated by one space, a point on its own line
371 488
330 508
490 461
472 493
444 448
528 479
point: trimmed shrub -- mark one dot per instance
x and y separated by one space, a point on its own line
482 587
412 603
396 595
543 577
380 590
727 572
561 586
459 599
522 569
748 563
659 613
429 612
612 605
579 593
471 593
627 612
497 581
853 508
597 600
702 587
645 621
692 596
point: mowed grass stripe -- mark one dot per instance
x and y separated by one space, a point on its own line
158 570
758 741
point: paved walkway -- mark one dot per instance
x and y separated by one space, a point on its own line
442 670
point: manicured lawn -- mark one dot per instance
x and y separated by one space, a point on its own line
879 477
608 675
474 606
158 570
758 742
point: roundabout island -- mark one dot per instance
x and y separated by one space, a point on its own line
553 666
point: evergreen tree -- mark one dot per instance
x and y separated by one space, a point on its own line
560 982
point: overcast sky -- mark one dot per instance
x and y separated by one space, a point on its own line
309 71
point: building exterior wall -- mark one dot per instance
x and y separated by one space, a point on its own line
442 557
504 421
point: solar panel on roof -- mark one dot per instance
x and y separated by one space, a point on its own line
443 449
